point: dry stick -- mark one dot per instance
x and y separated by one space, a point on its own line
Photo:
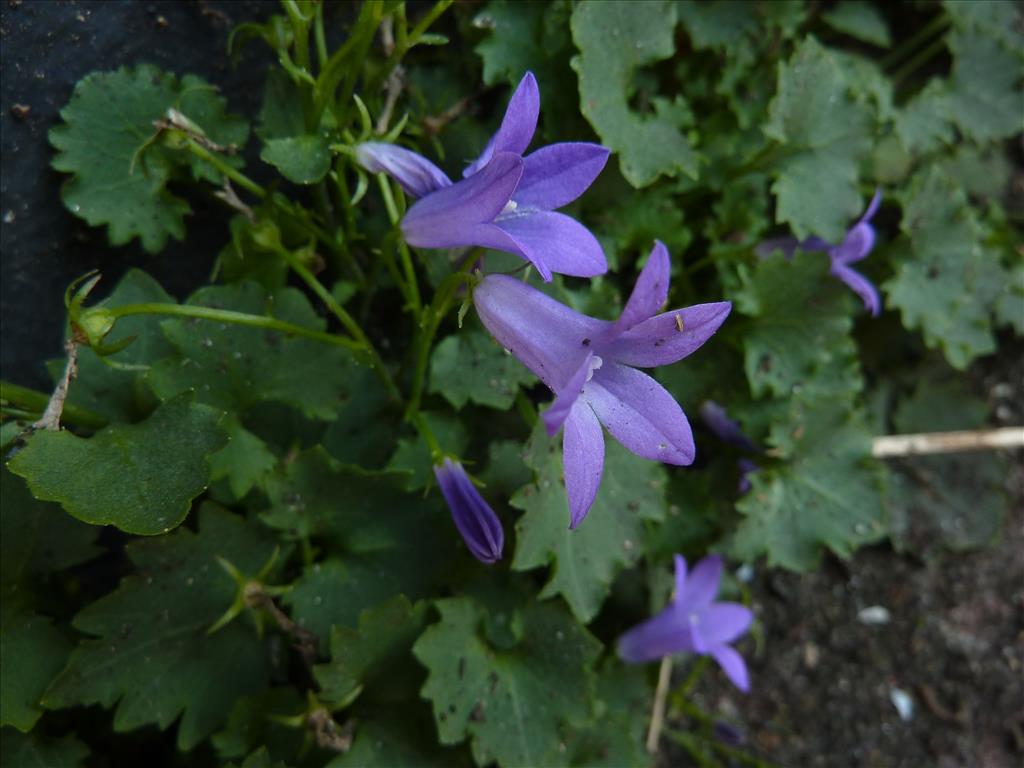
947 442
658 712
396 78
51 416
303 641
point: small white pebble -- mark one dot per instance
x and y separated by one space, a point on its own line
875 614
903 703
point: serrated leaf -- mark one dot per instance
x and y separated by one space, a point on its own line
717 25
923 124
152 656
827 494
946 279
513 702
391 736
985 101
614 41
251 724
956 500
300 159
109 118
824 133
234 367
32 652
584 561
470 366
36 751
616 737
801 339
245 460
36 537
861 20
378 648
141 478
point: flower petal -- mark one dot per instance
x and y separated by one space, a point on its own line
557 174
861 286
555 243
680 563
640 414
569 394
667 337
476 521
702 586
417 175
855 246
733 665
876 200
649 293
722 623
452 217
517 126
546 336
667 633
582 460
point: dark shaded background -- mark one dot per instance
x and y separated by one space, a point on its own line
46 46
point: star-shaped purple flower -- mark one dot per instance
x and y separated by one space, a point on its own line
693 623
591 364
479 527
506 201
857 244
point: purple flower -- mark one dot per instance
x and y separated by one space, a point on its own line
857 244
589 365
717 420
693 623
506 201
476 521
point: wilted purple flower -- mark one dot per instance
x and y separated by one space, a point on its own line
476 521
693 623
506 201
857 244
588 364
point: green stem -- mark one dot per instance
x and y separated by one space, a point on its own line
334 70
405 42
230 316
921 57
321 40
226 170
526 409
429 323
346 320
436 453
37 401
412 285
941 21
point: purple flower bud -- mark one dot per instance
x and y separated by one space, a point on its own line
476 521
717 420
416 175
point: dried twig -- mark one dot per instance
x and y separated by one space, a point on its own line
947 442
51 416
303 641
396 78
328 734
434 124
658 711
229 196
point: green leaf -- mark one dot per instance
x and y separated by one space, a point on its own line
824 133
108 120
141 478
119 394
32 652
377 649
861 20
614 41
801 339
245 461
260 758
35 751
234 367
470 366
946 279
36 537
391 736
585 561
923 124
984 87
413 454
955 501
300 159
151 655
826 494
512 703
717 25
616 737
281 112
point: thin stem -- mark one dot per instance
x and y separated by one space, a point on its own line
526 409
921 57
36 402
1006 438
412 285
237 318
226 170
436 452
321 40
941 21
658 710
405 42
346 320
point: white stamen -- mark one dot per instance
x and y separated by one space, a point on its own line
595 363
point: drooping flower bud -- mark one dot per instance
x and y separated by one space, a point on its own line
479 526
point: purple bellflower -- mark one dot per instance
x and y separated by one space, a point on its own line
476 521
591 366
727 430
506 201
857 244
693 623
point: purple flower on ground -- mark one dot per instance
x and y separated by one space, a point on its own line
506 201
476 521
591 366
857 244
693 623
